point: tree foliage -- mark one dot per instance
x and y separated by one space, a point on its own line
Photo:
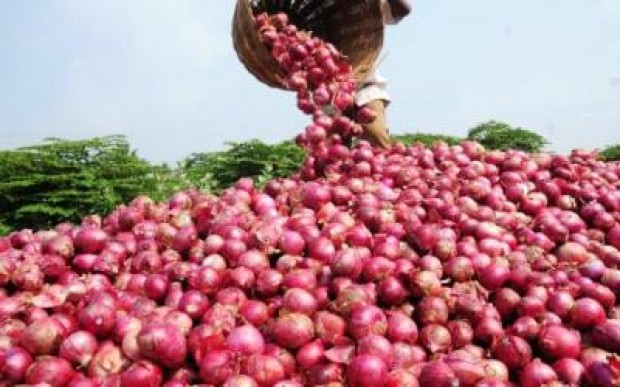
611 153
256 159
61 180
498 135
426 139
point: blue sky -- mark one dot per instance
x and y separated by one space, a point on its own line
164 73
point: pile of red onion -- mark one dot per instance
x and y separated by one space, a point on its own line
410 266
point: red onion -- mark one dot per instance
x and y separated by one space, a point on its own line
537 374
401 378
572 253
557 341
162 343
142 373
330 328
432 310
377 346
493 276
246 340
461 333
366 320
50 370
436 338
367 370
586 313
613 236
401 328
255 312
90 240
217 366
180 320
243 381
607 335
193 303
512 351
437 374
268 282
79 348
299 301
293 330
487 330
425 283
310 354
466 372
14 363
42 337
108 360
560 303
569 371
97 318
264 369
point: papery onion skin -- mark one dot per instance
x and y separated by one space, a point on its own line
14 364
537 373
366 371
51 370
142 374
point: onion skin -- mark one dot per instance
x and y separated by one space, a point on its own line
79 348
537 373
217 366
513 351
54 371
14 364
569 371
607 336
42 337
142 374
162 343
246 340
437 373
293 330
366 371
556 342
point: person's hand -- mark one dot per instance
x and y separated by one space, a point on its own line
400 8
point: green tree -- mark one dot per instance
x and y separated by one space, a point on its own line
498 135
426 139
60 180
611 153
262 162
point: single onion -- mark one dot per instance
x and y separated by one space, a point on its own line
587 313
217 366
50 370
310 354
246 340
607 335
437 374
569 371
436 338
142 373
14 363
266 370
512 351
293 330
537 374
366 320
162 343
42 337
401 328
367 370
79 348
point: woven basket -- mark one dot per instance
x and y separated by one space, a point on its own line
355 27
